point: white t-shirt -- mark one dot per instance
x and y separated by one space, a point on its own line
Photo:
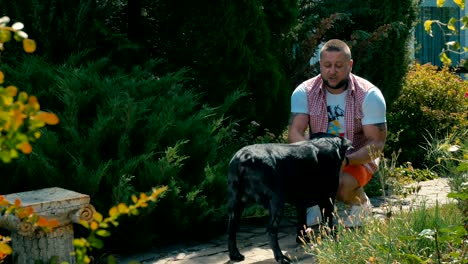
373 108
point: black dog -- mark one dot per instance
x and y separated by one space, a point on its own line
304 174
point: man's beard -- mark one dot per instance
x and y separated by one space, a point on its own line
341 84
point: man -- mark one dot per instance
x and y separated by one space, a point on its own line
339 102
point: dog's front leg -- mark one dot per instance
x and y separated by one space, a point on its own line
279 256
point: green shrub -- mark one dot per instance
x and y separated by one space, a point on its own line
432 102
122 133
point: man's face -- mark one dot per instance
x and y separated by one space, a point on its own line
335 69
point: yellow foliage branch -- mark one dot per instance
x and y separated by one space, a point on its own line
20 123
100 225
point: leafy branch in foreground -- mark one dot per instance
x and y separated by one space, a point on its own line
20 116
99 227
20 122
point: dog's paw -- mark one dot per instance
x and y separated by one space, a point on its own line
284 260
236 257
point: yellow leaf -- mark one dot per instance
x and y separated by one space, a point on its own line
440 3
79 242
103 233
5 36
42 222
29 211
451 24
5 249
4 202
104 225
113 211
2 77
13 153
29 45
53 223
46 117
464 21
158 191
94 226
97 216
445 59
6 100
22 214
84 223
17 203
134 199
11 90
143 196
32 101
18 118
427 27
25 147
460 3
122 208
23 97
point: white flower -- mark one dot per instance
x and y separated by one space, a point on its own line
18 26
4 20
22 34
453 148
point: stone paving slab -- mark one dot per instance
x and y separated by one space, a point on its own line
253 240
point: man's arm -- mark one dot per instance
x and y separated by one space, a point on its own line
376 135
298 124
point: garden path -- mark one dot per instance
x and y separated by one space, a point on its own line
253 241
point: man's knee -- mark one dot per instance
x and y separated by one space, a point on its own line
348 189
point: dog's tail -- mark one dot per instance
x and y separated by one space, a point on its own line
243 160
238 168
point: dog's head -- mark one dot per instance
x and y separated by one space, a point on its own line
342 144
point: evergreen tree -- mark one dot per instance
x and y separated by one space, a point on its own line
378 33
230 45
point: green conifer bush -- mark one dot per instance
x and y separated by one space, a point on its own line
128 132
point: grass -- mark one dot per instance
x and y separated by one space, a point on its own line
425 235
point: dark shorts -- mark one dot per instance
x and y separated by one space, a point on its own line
360 173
